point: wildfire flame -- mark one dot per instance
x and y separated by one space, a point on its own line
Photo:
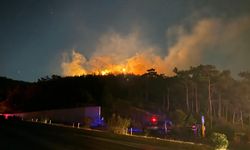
137 64
114 55
119 54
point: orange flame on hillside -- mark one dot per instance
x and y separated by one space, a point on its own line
105 65
116 53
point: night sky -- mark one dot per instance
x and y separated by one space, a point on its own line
40 37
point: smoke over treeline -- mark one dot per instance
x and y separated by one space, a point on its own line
218 41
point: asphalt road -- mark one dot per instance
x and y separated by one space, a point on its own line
35 136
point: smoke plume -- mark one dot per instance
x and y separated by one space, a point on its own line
221 42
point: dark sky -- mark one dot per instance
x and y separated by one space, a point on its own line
34 34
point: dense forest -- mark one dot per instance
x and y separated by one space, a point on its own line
198 90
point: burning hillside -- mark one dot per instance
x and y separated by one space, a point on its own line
207 41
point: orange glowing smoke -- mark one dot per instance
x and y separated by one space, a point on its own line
117 53
74 67
137 64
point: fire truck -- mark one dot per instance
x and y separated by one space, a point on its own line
155 125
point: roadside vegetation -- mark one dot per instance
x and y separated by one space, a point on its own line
117 124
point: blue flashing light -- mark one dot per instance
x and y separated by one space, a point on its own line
202 119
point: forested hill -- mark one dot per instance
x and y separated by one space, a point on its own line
6 85
201 89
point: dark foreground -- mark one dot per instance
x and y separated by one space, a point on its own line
26 135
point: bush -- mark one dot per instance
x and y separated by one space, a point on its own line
226 129
178 117
244 138
87 122
219 140
119 125
190 120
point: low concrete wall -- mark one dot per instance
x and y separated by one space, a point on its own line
72 115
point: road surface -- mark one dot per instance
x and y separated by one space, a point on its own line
26 135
